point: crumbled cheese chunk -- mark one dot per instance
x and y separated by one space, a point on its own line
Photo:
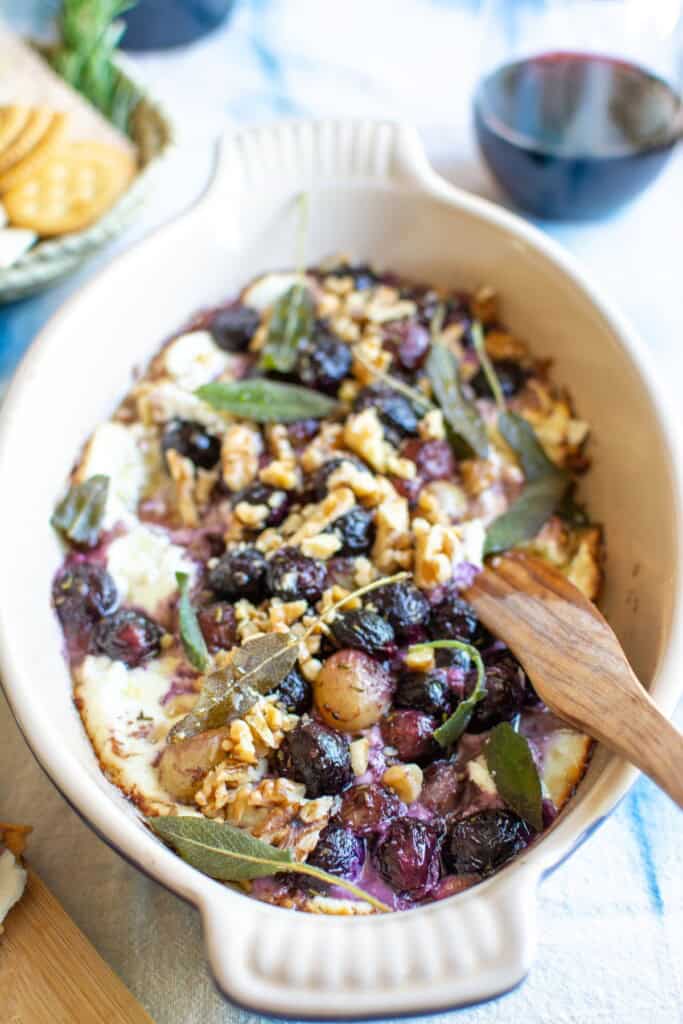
116 451
478 771
143 563
265 291
194 359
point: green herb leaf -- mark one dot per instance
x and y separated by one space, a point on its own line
453 728
233 855
477 333
190 633
468 430
573 511
79 515
543 491
291 322
265 661
514 771
266 401
85 56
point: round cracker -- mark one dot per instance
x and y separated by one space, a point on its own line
37 123
72 190
31 163
12 121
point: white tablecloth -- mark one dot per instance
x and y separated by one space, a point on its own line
612 917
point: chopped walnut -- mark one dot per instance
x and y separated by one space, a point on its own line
442 502
419 661
502 345
240 452
405 780
484 304
253 516
478 771
431 426
438 549
365 486
322 546
551 416
364 435
477 475
322 447
182 474
360 755
392 539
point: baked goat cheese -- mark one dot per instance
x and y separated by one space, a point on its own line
251 605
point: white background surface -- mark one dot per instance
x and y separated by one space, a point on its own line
612 917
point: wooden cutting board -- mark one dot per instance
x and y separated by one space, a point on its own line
51 974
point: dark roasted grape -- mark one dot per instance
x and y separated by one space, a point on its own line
239 573
411 733
434 459
455 619
407 857
276 500
191 440
218 625
425 691
483 842
233 328
506 685
368 809
82 594
295 693
363 631
292 576
317 756
441 787
404 606
394 410
355 530
323 361
339 852
128 636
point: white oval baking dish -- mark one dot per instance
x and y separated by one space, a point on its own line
372 194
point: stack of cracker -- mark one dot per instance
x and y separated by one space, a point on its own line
62 165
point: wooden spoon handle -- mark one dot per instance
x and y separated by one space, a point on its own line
648 740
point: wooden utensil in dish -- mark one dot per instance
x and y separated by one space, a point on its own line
49 972
576 663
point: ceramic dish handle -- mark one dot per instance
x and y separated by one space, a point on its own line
471 947
299 154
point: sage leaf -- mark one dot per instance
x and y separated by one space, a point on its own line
514 771
266 401
454 726
190 633
231 854
79 515
543 491
467 428
487 366
256 668
291 323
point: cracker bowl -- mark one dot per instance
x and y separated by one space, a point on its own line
52 259
373 195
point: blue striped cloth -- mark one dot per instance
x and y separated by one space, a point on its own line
611 935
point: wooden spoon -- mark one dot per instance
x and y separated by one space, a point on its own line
576 663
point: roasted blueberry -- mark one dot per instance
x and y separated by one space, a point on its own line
368 809
355 530
276 500
323 361
233 328
511 377
425 691
483 842
317 756
218 625
394 410
411 734
455 619
239 573
404 606
434 459
407 857
295 693
506 686
128 636
339 852
191 440
292 576
363 631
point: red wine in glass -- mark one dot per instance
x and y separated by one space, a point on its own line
574 135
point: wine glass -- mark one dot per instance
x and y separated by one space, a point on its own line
579 105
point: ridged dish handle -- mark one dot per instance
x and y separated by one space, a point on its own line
287 156
472 947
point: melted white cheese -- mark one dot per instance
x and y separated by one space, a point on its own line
143 563
116 451
165 401
12 883
193 359
266 290
122 713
